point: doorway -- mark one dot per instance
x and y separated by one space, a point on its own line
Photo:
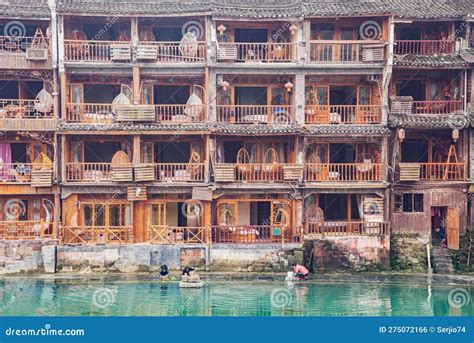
439 225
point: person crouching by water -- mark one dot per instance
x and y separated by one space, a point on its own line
189 275
164 273
301 273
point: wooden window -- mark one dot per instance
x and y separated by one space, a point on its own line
147 152
158 214
106 215
409 202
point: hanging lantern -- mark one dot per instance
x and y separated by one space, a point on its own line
289 86
401 134
455 135
293 28
221 28
45 101
224 85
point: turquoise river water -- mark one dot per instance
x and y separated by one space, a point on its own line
146 296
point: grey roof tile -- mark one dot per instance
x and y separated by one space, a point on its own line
28 9
434 61
427 121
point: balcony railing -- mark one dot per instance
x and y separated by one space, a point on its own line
179 172
251 234
432 171
437 107
16 114
339 51
32 229
256 52
103 114
89 172
346 228
18 44
163 234
342 172
343 114
424 47
171 52
98 234
255 114
20 172
96 51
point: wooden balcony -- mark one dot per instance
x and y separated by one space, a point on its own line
345 172
437 107
171 52
96 235
432 171
341 51
26 173
257 172
252 234
32 229
179 172
343 114
164 234
89 172
255 114
104 114
22 115
19 53
347 228
424 47
96 51
256 52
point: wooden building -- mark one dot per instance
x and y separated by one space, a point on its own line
243 121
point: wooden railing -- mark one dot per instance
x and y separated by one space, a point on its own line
437 106
172 52
338 172
19 172
346 228
33 229
179 172
17 44
22 109
89 113
163 234
177 113
257 172
251 234
98 234
89 172
343 114
442 171
90 50
257 52
339 51
255 114
424 47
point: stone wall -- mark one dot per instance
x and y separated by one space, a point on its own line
29 256
363 253
408 252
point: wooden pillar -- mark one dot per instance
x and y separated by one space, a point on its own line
136 84
299 97
212 96
63 149
64 92
136 150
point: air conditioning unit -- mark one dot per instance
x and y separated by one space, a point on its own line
37 54
373 53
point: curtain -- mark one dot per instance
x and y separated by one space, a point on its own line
5 161
360 206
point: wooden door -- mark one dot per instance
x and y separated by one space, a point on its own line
453 228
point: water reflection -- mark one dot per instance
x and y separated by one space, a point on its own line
132 297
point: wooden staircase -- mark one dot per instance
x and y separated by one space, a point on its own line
442 262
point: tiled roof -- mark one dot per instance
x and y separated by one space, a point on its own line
256 129
433 61
28 9
421 9
349 130
133 7
468 55
172 128
455 121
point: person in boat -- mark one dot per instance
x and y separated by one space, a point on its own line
300 271
164 272
189 275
